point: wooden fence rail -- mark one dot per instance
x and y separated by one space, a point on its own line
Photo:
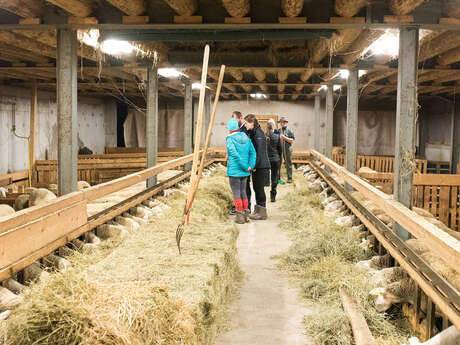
384 164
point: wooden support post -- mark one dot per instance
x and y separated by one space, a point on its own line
151 135
32 129
317 122
423 135
456 141
66 86
406 111
188 121
329 120
352 122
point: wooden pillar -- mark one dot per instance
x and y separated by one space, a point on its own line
317 122
151 128
456 140
329 129
66 89
188 121
32 129
352 122
406 111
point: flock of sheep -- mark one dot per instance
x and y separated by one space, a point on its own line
119 227
394 285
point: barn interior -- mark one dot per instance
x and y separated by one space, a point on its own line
109 94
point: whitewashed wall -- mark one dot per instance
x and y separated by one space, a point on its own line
300 115
96 126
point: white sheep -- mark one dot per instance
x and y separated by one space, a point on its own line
131 224
397 292
57 262
386 276
3 192
110 230
6 210
85 248
8 300
376 262
40 196
21 202
450 336
34 272
138 220
346 221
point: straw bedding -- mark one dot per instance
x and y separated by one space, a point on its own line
140 290
322 259
237 8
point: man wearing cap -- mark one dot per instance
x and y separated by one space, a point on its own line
287 139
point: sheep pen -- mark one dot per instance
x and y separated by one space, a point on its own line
321 260
139 290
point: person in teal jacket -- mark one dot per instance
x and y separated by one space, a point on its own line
241 160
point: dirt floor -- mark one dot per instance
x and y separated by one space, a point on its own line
268 309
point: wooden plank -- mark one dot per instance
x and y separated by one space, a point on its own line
437 179
30 21
188 19
235 20
82 20
135 19
398 19
444 202
455 21
32 236
292 20
437 240
345 20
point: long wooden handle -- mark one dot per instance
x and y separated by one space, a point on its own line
196 152
211 125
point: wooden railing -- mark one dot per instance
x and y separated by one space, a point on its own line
30 234
17 181
384 164
96 169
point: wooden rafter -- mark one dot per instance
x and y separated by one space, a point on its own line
22 8
27 44
78 8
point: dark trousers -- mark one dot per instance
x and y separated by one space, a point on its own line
274 171
287 155
258 183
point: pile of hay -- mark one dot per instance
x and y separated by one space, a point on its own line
403 7
292 8
141 291
349 8
237 8
451 8
322 259
340 41
183 7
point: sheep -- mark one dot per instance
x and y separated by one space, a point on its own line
14 286
93 239
376 262
35 273
65 251
3 192
140 212
57 262
346 221
8 300
85 248
172 191
21 202
6 210
449 336
110 230
368 243
4 315
386 276
333 206
40 196
138 220
150 203
366 170
315 186
82 185
131 224
397 292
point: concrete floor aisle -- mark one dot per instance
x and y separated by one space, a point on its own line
268 310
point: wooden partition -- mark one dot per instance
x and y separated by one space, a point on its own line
110 150
15 182
96 169
384 164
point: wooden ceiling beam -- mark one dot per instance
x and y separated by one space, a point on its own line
440 44
77 8
22 8
27 44
449 57
403 7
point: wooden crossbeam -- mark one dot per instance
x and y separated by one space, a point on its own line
28 44
131 7
23 8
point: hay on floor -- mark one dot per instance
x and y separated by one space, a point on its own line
141 291
322 259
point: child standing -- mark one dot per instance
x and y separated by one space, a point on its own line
241 160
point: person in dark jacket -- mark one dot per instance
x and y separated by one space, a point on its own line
274 155
261 169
